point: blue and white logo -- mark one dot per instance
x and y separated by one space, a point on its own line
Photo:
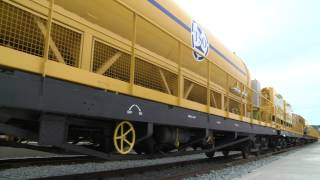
199 42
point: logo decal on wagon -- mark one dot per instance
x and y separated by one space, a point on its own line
192 116
199 42
133 107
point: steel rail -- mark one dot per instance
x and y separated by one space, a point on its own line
9 163
216 163
136 170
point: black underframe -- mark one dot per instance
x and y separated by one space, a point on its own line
26 91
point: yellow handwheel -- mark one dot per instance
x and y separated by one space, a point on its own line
124 137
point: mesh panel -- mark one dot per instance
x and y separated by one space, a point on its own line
215 99
149 76
234 106
120 69
68 43
266 115
244 113
20 31
198 93
250 104
233 83
248 110
172 80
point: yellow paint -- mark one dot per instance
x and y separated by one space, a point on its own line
122 144
139 29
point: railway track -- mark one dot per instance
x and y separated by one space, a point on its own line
141 169
219 166
110 157
41 161
9 163
207 165
203 166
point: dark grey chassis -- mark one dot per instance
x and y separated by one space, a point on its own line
43 109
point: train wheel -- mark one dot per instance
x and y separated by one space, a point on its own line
245 150
124 137
210 154
147 146
225 153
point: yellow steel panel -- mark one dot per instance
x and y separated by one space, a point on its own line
172 53
155 15
105 55
234 116
193 105
154 95
246 119
26 62
153 58
148 75
19 60
216 111
87 51
59 70
189 75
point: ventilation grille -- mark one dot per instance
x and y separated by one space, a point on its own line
195 92
111 62
215 100
154 77
23 31
68 43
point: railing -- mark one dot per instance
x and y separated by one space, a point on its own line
207 69
175 74
205 93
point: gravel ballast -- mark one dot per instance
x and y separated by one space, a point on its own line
235 171
225 173
56 170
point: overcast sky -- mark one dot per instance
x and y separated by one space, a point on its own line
278 40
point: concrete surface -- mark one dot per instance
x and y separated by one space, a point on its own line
9 152
303 164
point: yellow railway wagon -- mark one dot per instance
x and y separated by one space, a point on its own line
170 17
162 45
135 73
312 132
298 124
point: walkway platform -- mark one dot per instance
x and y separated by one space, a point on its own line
304 164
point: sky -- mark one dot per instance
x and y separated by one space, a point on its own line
278 40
